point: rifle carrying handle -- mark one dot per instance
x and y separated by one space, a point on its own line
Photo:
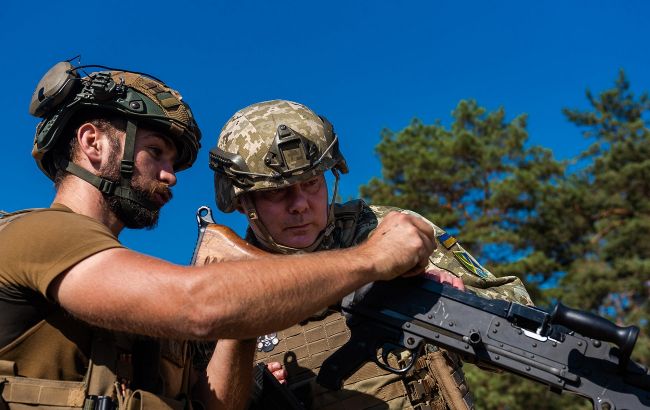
596 327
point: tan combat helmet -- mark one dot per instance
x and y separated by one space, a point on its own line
62 96
270 145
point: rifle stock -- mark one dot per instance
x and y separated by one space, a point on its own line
218 243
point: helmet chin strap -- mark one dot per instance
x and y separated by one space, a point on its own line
121 189
266 240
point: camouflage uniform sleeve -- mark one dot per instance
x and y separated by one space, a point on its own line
452 257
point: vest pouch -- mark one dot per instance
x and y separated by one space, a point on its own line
23 393
144 400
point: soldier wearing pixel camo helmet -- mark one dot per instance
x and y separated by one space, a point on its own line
86 322
269 164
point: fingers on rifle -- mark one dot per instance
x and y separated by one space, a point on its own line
443 276
417 269
274 366
281 375
458 283
424 226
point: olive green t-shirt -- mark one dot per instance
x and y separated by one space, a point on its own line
35 332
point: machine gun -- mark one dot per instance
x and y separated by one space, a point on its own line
566 349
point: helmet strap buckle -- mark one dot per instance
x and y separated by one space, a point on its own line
126 168
127 165
106 187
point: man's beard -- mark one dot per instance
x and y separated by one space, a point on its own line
133 214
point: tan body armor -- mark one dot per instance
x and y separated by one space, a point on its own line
110 370
101 382
436 382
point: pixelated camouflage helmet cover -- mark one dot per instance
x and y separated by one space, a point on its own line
269 145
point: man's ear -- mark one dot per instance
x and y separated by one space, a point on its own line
89 141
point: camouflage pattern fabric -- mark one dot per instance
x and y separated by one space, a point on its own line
250 133
449 257
444 256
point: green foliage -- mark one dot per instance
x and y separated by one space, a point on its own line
477 179
503 391
609 270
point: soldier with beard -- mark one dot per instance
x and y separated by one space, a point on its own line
270 164
87 323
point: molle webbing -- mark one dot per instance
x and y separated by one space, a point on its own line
105 368
24 393
302 349
444 373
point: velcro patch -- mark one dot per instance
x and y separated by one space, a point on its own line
169 102
447 240
468 262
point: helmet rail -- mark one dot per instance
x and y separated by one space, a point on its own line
62 98
234 166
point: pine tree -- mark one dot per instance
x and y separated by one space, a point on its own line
477 180
519 211
608 270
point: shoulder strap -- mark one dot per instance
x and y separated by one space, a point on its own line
346 217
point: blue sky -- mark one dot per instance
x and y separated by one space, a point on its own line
366 65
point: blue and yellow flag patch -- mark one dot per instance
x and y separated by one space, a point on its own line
447 240
468 262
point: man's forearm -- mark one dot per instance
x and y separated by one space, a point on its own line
237 300
276 292
228 377
265 295
240 299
